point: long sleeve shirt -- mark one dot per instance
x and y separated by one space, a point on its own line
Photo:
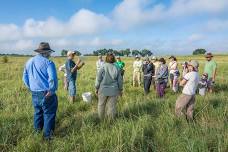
109 81
162 72
40 74
148 69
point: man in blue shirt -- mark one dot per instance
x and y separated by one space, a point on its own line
40 78
71 71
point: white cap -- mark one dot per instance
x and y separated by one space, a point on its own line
154 58
69 53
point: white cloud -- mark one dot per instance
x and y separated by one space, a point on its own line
9 32
132 13
17 45
217 25
83 22
83 29
196 37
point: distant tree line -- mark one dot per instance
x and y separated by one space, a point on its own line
16 55
125 52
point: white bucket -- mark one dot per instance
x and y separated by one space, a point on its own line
202 91
87 97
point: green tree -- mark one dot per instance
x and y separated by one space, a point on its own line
78 53
64 52
146 52
135 52
127 52
199 51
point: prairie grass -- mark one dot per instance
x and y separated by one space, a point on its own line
144 123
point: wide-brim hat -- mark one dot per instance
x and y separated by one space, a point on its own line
44 47
209 55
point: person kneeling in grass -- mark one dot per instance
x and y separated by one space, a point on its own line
109 85
71 70
187 98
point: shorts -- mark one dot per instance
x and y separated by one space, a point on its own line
72 88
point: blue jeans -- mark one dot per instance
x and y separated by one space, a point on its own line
45 112
72 88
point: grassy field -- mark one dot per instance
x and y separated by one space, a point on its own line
144 123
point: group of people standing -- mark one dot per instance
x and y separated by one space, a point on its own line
40 77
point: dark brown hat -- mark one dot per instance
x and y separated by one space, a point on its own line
44 47
209 55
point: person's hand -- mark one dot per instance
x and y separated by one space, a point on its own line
48 94
121 93
96 92
213 80
79 61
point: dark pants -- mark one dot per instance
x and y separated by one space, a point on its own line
160 87
147 83
45 112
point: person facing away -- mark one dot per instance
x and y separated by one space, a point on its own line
203 84
99 62
40 78
137 70
173 73
187 98
161 78
71 71
109 85
120 64
211 69
148 72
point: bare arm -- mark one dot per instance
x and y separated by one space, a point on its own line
214 74
183 82
78 66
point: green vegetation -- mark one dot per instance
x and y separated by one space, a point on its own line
5 59
144 123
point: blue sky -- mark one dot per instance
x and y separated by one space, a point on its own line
163 26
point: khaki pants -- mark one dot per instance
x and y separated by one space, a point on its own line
136 78
185 101
109 103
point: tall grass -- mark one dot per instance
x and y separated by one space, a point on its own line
144 123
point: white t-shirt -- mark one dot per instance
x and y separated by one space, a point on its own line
137 66
192 83
173 66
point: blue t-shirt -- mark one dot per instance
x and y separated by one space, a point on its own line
70 64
